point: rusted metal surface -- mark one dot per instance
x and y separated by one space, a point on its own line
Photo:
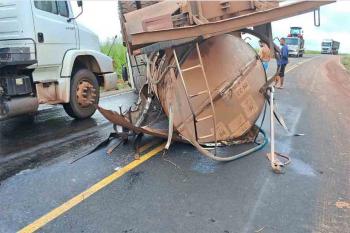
212 88
265 5
117 119
217 10
154 17
85 94
234 82
46 92
53 92
204 78
227 25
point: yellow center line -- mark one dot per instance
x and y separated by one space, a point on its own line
45 219
148 145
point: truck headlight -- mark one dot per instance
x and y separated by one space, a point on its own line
5 56
11 54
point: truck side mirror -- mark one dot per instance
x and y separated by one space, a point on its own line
80 4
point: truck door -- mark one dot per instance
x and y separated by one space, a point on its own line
54 33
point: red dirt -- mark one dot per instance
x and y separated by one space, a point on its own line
339 77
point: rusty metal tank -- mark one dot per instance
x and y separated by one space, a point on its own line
192 63
215 89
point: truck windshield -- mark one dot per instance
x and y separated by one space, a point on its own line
295 31
292 41
326 44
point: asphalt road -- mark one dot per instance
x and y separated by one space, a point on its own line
184 191
28 141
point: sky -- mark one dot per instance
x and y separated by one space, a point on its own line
101 16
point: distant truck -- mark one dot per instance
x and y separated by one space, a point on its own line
295 46
295 42
46 57
330 46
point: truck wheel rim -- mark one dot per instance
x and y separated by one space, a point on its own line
85 94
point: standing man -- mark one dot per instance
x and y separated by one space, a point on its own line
281 64
264 55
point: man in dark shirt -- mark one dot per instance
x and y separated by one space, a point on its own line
281 64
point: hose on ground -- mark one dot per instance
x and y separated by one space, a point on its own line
234 157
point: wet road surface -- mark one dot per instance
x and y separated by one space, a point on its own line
26 141
185 192
49 124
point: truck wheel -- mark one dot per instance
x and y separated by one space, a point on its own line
84 95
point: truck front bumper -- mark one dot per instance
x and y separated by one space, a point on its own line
110 81
293 53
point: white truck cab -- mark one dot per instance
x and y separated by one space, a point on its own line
330 46
46 57
295 46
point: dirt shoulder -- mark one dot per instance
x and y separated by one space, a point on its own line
345 60
338 76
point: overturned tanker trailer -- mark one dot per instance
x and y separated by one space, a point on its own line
187 59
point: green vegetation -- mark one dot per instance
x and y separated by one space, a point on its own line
346 61
312 52
117 52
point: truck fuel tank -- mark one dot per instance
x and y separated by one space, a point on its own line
18 106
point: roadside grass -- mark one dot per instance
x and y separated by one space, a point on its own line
118 53
312 52
346 61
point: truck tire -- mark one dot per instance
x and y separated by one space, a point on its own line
84 95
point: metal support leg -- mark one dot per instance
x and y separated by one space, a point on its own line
272 128
171 127
275 163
